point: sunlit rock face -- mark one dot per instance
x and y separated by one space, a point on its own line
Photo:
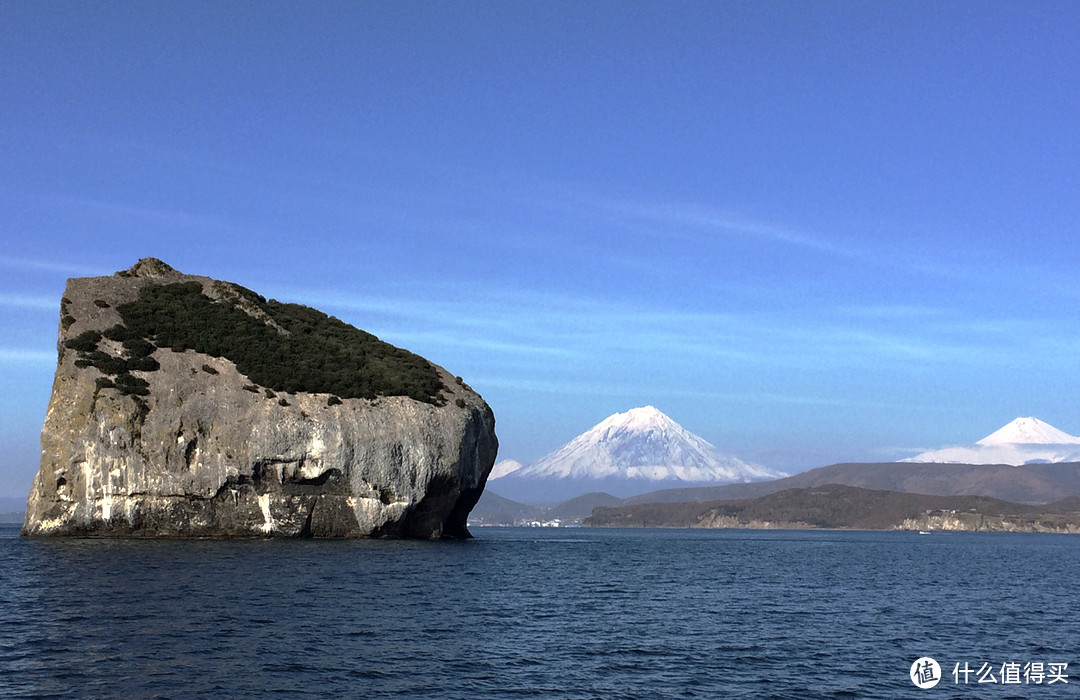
147 440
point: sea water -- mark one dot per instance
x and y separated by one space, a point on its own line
542 613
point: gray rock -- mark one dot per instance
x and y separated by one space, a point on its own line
201 455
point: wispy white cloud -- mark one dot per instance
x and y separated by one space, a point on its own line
894 453
477 343
698 223
20 356
63 267
708 220
546 386
687 221
895 311
125 210
532 325
769 397
635 391
29 302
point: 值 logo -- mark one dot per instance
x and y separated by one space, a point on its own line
925 672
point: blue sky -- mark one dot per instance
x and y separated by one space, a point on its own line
809 232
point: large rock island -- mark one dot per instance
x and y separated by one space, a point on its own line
186 406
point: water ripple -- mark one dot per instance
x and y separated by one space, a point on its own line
553 615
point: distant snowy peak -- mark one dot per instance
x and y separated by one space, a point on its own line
1023 441
644 444
501 469
1025 431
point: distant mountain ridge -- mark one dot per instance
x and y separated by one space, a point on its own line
12 510
1029 484
839 506
1049 471
625 453
493 509
1025 440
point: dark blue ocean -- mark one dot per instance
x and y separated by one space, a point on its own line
540 613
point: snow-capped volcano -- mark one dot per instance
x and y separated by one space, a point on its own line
636 450
1022 441
1029 431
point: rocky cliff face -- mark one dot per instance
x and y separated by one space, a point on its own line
151 432
976 522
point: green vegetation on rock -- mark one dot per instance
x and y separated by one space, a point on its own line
66 319
87 345
308 351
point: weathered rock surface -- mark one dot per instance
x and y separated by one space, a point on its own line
200 451
978 522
